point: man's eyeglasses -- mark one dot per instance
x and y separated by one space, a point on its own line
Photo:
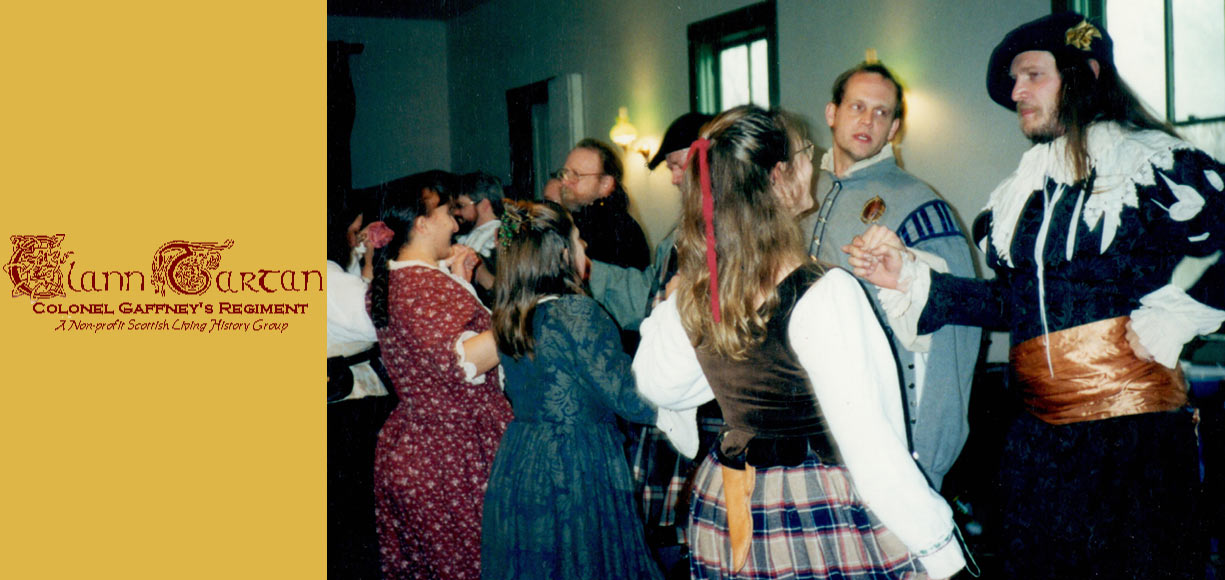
807 149
570 176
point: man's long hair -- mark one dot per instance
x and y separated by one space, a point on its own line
1084 99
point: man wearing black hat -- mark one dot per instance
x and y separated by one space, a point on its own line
860 183
1100 474
629 294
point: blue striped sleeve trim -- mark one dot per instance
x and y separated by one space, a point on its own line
933 219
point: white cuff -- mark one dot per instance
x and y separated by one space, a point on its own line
469 368
681 428
944 561
904 305
1167 319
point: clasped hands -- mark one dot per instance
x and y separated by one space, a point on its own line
462 261
876 256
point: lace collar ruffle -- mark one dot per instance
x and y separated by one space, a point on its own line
1122 160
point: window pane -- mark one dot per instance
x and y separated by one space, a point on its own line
734 76
705 81
760 82
1199 59
1138 30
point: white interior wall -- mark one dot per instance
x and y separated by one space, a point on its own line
634 53
631 54
402 125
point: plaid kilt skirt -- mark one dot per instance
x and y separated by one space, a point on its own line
661 474
808 522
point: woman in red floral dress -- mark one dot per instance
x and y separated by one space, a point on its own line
435 450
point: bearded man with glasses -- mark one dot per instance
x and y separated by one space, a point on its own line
591 189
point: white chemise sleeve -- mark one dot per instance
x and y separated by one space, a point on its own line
847 356
668 375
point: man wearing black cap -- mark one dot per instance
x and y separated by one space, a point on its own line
629 294
1100 474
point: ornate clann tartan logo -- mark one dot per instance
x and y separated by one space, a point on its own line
34 267
185 266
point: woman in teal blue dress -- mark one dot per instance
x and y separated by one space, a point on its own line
560 498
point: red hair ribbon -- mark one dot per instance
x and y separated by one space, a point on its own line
702 148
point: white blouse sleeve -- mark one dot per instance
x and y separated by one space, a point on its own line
347 319
847 356
668 375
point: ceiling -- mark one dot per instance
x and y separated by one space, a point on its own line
411 9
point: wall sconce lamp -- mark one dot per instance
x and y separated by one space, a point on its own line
646 147
869 56
623 133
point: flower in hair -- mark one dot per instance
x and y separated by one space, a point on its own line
509 228
379 235
1081 36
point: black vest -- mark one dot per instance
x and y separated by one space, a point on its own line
767 400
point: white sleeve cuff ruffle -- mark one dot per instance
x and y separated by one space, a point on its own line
469 368
904 305
681 429
945 560
1168 318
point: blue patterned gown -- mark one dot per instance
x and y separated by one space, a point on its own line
560 498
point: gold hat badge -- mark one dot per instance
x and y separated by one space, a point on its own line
1081 36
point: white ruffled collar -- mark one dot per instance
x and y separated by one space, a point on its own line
397 264
1122 159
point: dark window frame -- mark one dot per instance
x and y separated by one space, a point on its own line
1095 10
707 38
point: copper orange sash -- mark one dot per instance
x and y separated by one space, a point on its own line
1096 376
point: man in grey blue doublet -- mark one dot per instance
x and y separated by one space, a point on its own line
860 184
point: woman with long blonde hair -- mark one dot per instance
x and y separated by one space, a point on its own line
812 477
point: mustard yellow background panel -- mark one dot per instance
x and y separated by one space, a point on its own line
141 440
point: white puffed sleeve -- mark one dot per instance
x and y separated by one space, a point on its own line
846 354
1168 318
668 374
